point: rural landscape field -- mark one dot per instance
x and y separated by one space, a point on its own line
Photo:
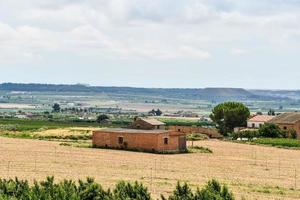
252 172
37 141
149 100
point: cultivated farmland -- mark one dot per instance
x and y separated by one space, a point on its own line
252 172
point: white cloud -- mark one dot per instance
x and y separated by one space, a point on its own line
158 29
238 51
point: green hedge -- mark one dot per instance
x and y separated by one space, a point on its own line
90 190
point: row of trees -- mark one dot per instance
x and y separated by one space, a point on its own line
90 190
267 130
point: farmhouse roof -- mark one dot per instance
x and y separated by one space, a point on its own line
261 118
152 121
133 131
286 118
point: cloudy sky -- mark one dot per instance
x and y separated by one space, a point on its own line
152 43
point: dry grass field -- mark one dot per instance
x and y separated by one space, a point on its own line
252 172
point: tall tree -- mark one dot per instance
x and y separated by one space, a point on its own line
56 107
229 115
102 118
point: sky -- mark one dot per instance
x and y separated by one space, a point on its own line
152 43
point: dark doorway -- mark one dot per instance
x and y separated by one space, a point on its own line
182 143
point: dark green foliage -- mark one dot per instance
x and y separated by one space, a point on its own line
157 112
125 191
278 142
36 124
199 149
270 130
56 107
212 191
102 118
290 133
229 115
271 112
182 192
250 134
68 190
90 190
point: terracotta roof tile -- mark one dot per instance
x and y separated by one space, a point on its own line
286 118
261 118
153 122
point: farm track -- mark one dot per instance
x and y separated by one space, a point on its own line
254 172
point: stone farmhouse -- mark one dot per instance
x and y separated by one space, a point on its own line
144 135
288 121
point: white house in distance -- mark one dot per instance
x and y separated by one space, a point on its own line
258 120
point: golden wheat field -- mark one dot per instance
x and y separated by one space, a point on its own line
251 172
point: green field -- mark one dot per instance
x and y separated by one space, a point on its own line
278 142
34 125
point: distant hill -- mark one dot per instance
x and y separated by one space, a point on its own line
214 94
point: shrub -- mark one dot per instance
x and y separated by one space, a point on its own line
199 149
90 190
212 191
250 134
196 137
291 133
270 130
125 191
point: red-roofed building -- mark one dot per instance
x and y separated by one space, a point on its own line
258 120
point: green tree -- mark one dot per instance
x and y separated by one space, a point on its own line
158 112
229 115
56 107
102 118
271 112
270 130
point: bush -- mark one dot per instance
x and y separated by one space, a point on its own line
271 131
199 149
212 191
125 191
196 137
90 190
250 134
291 133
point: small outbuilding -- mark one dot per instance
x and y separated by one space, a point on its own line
157 140
148 124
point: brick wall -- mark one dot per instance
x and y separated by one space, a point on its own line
140 141
295 127
211 132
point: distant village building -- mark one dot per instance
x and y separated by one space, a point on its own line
288 121
145 134
136 139
22 116
258 120
148 124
